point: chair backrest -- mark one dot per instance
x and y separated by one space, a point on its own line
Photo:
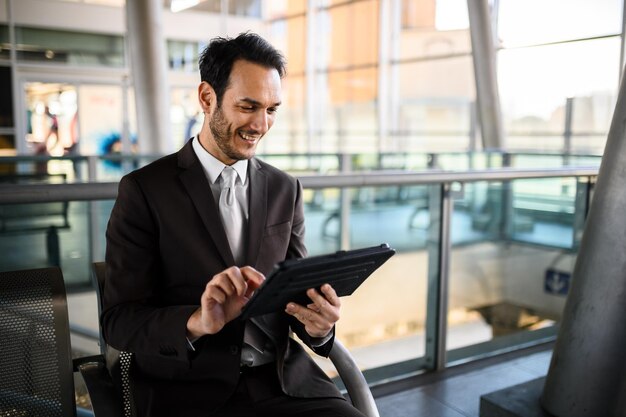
349 372
36 374
118 362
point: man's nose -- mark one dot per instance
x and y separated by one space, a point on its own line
261 122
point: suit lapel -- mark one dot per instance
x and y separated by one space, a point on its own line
197 186
257 203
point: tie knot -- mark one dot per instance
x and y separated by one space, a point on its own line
229 176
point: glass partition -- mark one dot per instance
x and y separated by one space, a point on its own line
508 284
383 323
514 245
54 234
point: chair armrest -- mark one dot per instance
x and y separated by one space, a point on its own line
105 399
353 379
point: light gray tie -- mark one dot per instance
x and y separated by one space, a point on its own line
231 213
232 217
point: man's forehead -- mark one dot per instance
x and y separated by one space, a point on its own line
255 84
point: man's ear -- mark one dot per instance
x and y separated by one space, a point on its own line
206 96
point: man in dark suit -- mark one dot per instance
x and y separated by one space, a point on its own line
186 248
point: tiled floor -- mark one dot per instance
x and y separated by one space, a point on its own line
456 392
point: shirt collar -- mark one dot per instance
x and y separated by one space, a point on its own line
213 167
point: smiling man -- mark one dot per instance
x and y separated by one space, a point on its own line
191 236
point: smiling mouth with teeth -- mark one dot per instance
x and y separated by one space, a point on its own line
249 138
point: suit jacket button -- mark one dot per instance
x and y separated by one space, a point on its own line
234 349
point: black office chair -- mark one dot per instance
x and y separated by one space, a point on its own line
36 366
119 363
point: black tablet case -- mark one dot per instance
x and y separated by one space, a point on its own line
344 270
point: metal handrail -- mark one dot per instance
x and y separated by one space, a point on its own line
44 193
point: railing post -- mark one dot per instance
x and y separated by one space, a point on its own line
439 246
344 205
581 208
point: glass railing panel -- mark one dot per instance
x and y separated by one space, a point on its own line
499 289
476 215
395 214
404 161
304 164
64 234
543 211
45 234
531 160
453 161
40 170
590 143
586 160
509 288
383 322
322 220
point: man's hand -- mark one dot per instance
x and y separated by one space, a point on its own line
222 300
320 316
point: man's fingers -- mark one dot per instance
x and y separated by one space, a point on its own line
224 283
304 315
314 323
327 303
331 295
253 278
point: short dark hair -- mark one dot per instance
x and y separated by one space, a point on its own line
217 59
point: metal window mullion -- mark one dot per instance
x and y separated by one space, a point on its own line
567 131
310 75
394 73
18 118
622 52
384 35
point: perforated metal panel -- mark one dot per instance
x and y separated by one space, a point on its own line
34 345
125 361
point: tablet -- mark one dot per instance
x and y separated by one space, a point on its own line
344 270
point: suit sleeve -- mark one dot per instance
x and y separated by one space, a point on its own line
297 249
131 318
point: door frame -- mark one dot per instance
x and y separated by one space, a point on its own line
71 76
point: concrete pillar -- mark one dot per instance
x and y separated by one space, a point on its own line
484 57
148 64
589 359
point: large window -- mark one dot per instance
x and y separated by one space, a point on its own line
70 48
288 34
556 70
433 94
183 55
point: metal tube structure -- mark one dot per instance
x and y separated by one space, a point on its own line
588 362
148 64
484 57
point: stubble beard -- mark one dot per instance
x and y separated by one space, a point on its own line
222 132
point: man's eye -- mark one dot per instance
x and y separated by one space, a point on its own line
247 108
272 110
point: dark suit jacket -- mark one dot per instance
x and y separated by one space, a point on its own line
165 240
